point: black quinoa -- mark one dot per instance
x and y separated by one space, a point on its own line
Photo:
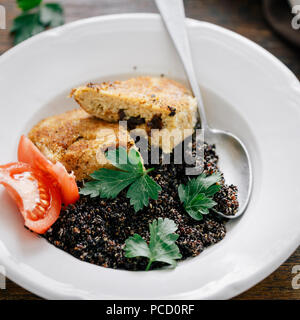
94 230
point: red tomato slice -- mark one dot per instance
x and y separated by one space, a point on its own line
67 183
35 194
29 153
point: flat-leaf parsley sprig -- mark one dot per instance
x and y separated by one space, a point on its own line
197 194
109 183
162 246
35 18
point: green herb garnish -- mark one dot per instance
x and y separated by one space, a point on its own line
28 4
35 18
161 247
109 183
197 194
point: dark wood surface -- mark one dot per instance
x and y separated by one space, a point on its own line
244 17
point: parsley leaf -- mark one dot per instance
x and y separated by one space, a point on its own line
51 14
197 194
146 188
25 26
28 4
161 247
32 22
109 183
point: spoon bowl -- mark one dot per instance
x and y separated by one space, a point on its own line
234 157
235 163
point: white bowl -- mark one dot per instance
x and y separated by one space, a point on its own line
246 90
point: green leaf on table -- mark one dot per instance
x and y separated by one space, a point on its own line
51 14
29 23
108 183
162 246
25 26
26 5
197 194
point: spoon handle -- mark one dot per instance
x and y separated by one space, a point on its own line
172 13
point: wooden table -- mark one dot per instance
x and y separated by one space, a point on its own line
244 17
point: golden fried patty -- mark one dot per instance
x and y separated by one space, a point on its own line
78 140
145 102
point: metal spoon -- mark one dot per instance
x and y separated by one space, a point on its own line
235 161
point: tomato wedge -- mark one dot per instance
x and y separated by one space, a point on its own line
29 153
35 194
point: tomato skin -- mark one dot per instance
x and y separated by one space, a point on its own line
12 192
45 210
38 186
67 183
29 153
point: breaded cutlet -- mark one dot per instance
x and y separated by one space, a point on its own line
78 140
145 102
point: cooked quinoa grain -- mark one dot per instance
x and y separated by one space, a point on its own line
94 230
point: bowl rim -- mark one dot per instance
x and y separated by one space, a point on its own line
227 290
